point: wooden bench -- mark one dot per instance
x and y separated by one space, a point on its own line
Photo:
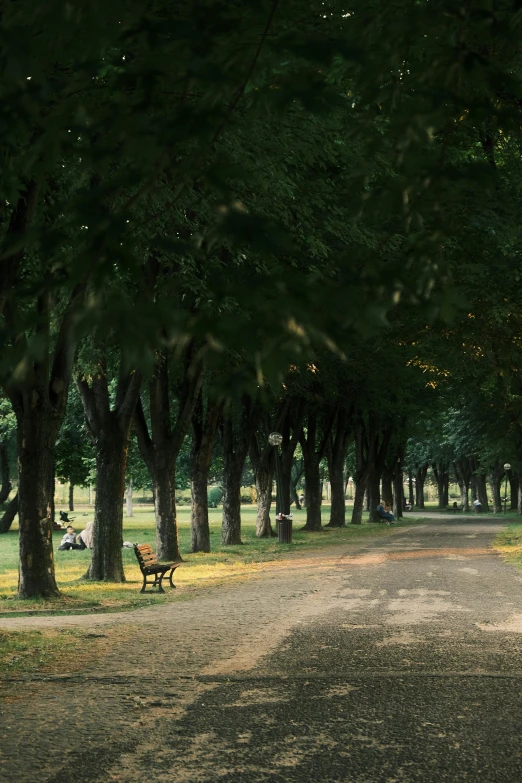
150 567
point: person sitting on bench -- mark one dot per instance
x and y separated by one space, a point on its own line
384 512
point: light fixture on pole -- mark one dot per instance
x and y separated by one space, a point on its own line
507 467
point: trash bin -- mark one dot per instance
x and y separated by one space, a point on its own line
284 528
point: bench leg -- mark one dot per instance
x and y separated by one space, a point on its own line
170 578
159 581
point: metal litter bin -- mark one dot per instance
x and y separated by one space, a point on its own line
284 528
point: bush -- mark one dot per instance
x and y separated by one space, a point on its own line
183 499
215 496
248 495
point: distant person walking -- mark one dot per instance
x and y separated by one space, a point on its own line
477 505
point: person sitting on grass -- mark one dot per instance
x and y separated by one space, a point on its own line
69 540
84 539
384 511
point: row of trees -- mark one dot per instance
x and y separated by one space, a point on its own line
201 204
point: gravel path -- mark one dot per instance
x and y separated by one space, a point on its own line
397 661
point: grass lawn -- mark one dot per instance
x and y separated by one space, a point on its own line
223 563
509 543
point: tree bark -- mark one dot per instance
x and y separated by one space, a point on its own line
39 401
482 494
106 557
36 439
338 502
336 456
296 474
358 502
313 494
387 485
231 526
420 478
204 427
264 480
5 486
109 427
314 448
161 447
291 423
495 485
440 471
237 431
9 514
374 495
71 497
199 524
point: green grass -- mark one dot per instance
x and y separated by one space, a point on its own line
27 652
198 570
509 543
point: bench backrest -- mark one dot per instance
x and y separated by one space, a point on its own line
145 555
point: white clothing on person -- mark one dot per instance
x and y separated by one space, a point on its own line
86 535
69 538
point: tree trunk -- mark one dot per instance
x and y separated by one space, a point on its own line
374 496
313 495
71 497
9 514
338 507
441 477
358 502
5 484
387 486
231 526
482 494
204 426
264 479
399 491
167 545
463 494
420 478
35 482
445 496
495 485
199 526
106 558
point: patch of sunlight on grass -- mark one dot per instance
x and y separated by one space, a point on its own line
55 650
509 543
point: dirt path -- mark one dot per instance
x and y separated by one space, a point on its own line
256 681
